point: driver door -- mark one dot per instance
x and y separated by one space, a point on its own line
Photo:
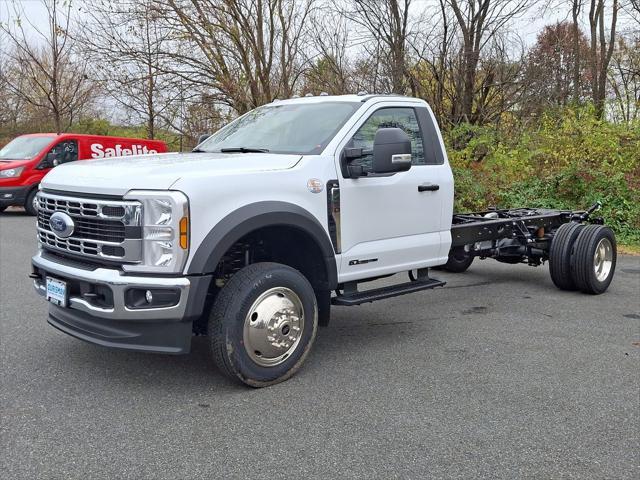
387 223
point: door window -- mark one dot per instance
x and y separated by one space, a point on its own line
64 152
396 117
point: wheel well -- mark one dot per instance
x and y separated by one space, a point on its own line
30 191
282 244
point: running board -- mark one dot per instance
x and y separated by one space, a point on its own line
385 292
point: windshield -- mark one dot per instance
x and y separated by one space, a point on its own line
299 128
24 148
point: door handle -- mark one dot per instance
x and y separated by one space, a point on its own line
428 187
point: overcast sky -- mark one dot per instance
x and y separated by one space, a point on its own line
527 26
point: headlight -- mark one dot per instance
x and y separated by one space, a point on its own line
11 172
165 231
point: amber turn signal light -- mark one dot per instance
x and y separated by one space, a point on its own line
184 233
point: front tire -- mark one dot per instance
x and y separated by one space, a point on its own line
30 204
263 324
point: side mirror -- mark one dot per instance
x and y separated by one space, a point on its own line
391 151
203 137
49 161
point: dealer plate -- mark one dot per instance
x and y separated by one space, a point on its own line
57 291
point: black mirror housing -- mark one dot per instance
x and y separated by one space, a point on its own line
353 153
47 162
391 151
203 137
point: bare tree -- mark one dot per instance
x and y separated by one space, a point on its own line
127 56
50 76
576 7
479 22
329 64
245 52
387 23
431 75
601 50
634 8
624 78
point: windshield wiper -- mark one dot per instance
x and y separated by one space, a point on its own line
243 150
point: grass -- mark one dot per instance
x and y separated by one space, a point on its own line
629 249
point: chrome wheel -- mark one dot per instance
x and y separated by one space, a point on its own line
273 326
34 202
603 259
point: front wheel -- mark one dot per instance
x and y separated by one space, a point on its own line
31 203
262 324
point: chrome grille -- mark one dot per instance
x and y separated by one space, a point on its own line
89 228
100 227
70 244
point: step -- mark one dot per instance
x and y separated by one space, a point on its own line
385 292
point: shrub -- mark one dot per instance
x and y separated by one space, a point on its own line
569 160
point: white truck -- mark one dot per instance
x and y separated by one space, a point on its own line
286 211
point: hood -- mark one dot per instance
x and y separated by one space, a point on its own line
116 176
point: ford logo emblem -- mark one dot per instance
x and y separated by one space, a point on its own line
61 224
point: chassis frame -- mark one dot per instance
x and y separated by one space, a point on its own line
513 235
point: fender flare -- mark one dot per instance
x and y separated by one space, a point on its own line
258 215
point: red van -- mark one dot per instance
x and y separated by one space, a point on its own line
28 158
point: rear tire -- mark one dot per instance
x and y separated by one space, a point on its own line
594 259
560 255
2 209
30 205
263 324
459 260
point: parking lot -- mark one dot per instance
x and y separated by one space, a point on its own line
497 375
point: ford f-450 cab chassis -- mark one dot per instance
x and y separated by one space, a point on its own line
288 210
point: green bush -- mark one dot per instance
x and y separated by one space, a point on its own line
568 160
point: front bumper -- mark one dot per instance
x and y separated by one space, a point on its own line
165 329
13 196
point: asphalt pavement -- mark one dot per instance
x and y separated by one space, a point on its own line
497 375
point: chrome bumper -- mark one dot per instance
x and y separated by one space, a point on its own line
118 283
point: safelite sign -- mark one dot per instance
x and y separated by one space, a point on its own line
99 151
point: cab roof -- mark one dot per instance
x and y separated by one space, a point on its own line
87 135
352 98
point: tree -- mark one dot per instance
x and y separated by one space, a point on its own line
431 75
624 78
576 7
551 66
329 65
387 23
128 58
46 74
244 52
479 21
601 50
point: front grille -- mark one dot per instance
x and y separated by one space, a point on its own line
112 211
89 228
100 227
70 244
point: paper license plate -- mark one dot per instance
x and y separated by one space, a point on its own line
57 291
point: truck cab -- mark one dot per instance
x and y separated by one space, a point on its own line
253 236
28 158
